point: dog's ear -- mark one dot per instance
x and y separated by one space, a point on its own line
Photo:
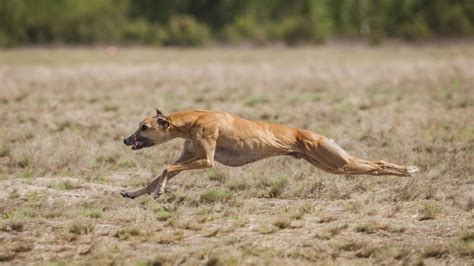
158 112
163 122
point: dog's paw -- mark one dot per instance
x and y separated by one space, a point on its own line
126 194
156 195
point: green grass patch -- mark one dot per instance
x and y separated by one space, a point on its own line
215 175
107 159
64 185
256 100
92 213
127 163
126 233
237 185
214 195
163 215
390 252
99 179
464 244
37 197
273 187
4 151
429 212
80 228
27 173
266 229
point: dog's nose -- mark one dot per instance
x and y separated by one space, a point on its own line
125 141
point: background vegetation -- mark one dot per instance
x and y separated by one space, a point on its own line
65 112
195 22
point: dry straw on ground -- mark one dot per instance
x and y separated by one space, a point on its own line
62 163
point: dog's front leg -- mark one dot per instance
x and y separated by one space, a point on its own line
146 190
174 169
196 155
156 184
160 188
187 154
193 164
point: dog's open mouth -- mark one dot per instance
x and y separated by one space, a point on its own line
137 145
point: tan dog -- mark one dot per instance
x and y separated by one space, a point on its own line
233 141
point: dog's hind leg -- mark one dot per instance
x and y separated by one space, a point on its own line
325 154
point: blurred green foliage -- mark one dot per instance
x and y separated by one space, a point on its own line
194 22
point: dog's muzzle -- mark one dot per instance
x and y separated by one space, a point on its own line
136 144
131 141
128 141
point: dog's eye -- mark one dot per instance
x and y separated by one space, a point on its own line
144 127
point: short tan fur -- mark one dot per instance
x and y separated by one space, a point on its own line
212 136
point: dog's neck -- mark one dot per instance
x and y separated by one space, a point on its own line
179 128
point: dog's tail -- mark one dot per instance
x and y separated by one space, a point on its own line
412 170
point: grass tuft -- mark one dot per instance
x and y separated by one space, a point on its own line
214 175
255 100
169 237
330 232
163 215
273 187
213 195
4 151
127 233
78 104
238 185
12 225
64 185
428 212
372 227
390 252
81 228
281 222
92 213
464 244
266 229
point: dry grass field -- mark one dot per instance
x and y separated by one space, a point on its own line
64 113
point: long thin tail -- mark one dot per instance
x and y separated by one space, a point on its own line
412 170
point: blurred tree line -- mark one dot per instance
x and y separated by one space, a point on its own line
194 22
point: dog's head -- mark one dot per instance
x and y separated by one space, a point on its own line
151 131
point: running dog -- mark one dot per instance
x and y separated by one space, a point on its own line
212 136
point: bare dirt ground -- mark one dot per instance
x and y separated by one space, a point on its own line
62 162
